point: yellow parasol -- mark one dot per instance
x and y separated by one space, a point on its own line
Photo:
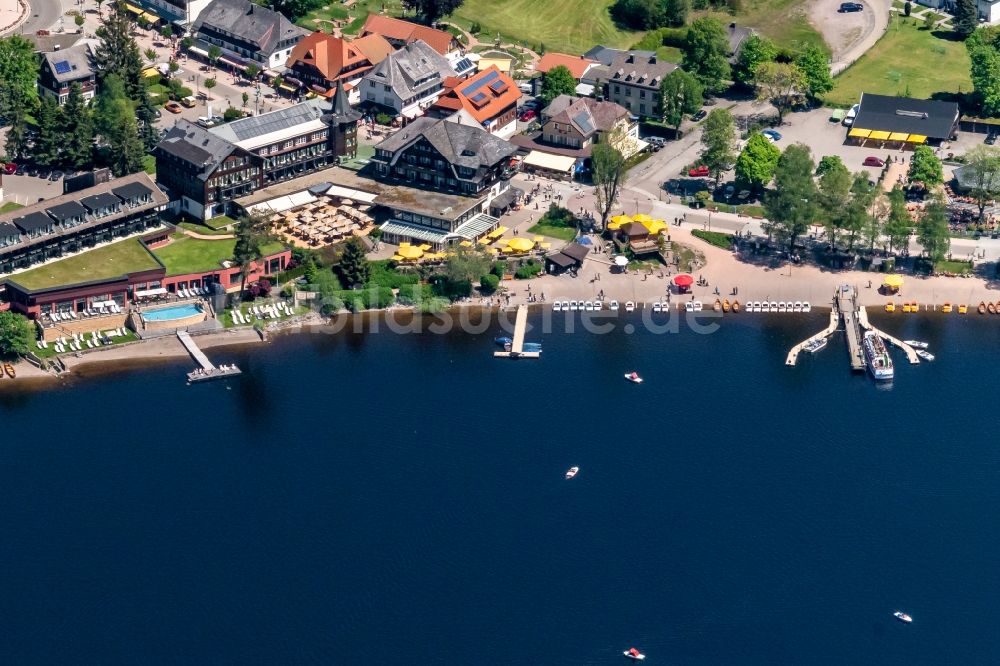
397 257
655 226
466 243
520 244
621 219
895 281
642 218
410 252
425 247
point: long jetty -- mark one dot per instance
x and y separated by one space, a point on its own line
517 342
911 354
855 317
208 370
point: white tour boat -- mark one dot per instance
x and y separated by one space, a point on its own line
902 617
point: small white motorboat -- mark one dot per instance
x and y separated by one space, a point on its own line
656 306
902 617
924 354
556 306
916 344
633 377
634 654
614 305
629 306
781 307
571 472
698 306
815 345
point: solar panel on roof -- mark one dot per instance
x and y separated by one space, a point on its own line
499 86
476 85
479 99
62 67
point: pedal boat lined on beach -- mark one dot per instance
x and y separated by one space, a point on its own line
890 307
736 306
982 307
717 306
725 305
992 309
946 307
9 369
963 308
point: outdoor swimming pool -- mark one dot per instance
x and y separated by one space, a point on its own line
172 312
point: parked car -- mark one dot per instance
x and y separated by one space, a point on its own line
991 138
772 135
699 115
21 169
32 171
699 172
173 107
873 161
527 115
848 7
10 168
55 175
852 113
729 191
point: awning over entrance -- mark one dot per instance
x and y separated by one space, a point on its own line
859 133
560 163
147 293
132 9
879 135
151 18
350 193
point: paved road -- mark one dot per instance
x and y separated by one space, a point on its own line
878 10
44 15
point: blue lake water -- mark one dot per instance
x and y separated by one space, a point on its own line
399 499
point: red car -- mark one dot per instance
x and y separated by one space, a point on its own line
526 115
874 161
10 168
699 172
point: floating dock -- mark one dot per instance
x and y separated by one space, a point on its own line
517 343
845 306
208 370
911 355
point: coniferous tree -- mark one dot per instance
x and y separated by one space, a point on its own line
18 96
78 125
145 114
49 137
116 122
966 18
353 267
118 53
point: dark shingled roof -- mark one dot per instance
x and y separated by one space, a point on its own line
561 260
196 145
65 211
576 251
258 25
931 118
132 191
102 200
8 230
33 222
466 146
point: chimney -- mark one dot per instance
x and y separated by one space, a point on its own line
630 58
732 27
652 60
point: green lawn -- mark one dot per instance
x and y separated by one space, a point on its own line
204 229
110 261
220 222
9 206
562 233
572 26
953 267
906 58
716 238
193 255
784 21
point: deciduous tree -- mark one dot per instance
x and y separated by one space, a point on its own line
828 162
925 167
898 223
932 230
718 137
706 53
680 93
558 81
814 63
209 84
783 84
432 10
608 169
754 51
834 195
16 334
856 213
757 161
251 233
790 208
982 174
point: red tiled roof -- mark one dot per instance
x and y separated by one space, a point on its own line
393 28
577 65
331 55
484 95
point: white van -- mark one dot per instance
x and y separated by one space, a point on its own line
851 115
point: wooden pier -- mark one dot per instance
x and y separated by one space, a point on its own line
911 355
208 370
845 306
517 343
